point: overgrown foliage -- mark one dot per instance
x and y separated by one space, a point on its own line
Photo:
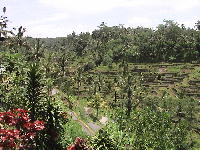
147 106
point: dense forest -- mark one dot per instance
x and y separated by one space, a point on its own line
169 42
116 88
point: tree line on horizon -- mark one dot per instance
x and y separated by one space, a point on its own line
169 42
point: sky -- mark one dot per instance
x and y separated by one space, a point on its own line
58 18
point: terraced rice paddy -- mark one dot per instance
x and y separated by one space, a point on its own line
175 78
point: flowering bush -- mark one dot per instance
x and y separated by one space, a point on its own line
80 144
18 129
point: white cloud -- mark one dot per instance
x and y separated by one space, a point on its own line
45 31
52 30
46 26
177 5
82 28
140 21
183 5
189 22
96 6
83 6
93 10
46 20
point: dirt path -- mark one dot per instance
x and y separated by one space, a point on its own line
89 128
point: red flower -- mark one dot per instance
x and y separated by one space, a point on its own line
8 137
37 125
28 126
22 115
80 144
20 110
79 140
20 120
71 147
28 136
8 118
15 133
